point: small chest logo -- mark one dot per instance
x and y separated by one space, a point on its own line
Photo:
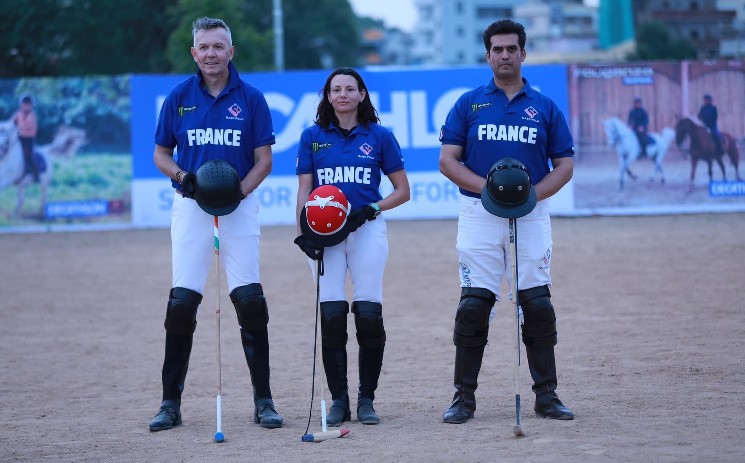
316 147
531 112
366 149
476 107
235 110
186 109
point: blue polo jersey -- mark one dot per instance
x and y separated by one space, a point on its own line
354 164
202 127
489 126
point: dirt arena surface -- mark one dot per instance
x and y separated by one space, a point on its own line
650 318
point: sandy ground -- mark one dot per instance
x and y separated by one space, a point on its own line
650 314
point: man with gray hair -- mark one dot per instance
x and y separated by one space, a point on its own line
215 116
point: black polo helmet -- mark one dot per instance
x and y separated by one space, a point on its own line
508 192
218 188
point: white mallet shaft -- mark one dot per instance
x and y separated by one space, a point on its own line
219 436
517 429
322 436
323 413
219 414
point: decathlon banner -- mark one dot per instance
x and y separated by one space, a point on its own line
413 103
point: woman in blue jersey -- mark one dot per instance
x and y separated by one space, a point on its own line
347 137
506 117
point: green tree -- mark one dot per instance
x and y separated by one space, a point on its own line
83 37
316 33
320 33
655 42
35 38
114 37
254 47
90 37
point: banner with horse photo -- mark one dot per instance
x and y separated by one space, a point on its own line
658 137
65 153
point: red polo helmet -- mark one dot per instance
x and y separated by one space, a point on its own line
326 210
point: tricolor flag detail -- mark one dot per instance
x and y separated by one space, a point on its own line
217 238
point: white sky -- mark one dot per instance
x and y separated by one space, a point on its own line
395 13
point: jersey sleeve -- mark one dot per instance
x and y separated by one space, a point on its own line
455 129
164 134
393 159
560 143
263 131
304 161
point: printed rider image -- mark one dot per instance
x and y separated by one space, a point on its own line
347 148
28 126
214 115
505 117
639 123
708 115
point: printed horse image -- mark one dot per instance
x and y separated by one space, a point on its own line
12 166
702 147
623 139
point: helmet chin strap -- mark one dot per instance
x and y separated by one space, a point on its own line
328 201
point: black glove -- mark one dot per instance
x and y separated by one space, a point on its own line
359 216
311 249
189 185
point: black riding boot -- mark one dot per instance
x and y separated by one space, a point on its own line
256 348
334 351
335 366
370 364
175 366
368 320
467 368
542 364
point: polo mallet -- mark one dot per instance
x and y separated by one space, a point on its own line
219 436
517 429
318 356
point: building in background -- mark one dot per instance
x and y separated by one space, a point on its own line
615 23
733 46
557 27
713 27
449 32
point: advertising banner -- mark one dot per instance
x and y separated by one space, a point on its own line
413 103
615 108
94 141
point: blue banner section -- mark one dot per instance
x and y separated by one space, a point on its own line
412 103
77 209
727 188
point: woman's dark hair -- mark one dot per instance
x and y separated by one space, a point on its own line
325 115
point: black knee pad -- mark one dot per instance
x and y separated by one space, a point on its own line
539 327
181 311
334 323
472 317
368 319
250 306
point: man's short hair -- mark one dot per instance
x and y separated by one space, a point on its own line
502 27
205 23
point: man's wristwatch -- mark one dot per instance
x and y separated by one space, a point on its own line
377 209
